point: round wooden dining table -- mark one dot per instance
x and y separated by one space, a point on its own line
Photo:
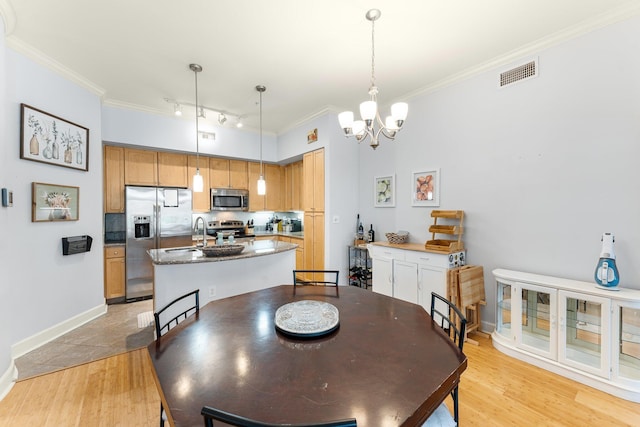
387 364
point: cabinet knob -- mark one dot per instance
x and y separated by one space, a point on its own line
115 252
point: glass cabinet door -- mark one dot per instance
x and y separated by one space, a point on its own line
584 332
537 319
503 307
626 325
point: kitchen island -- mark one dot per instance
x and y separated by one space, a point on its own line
262 264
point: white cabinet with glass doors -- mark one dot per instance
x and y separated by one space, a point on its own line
571 328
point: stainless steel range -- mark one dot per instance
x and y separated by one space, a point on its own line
227 228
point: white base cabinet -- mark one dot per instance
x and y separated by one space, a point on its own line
572 328
411 274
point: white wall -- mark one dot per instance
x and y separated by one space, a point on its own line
42 287
172 133
541 168
341 178
6 298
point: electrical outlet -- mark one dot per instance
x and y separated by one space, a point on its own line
212 291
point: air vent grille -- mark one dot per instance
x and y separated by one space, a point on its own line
528 70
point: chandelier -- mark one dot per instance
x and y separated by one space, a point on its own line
371 125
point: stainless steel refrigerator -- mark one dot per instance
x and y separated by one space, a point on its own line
156 218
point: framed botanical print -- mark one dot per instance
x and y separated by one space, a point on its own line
52 202
425 188
384 191
49 139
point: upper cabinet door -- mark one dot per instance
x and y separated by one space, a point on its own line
273 178
313 180
172 170
201 201
219 169
238 174
113 179
140 167
256 202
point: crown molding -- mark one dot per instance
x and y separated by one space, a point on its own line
50 63
8 15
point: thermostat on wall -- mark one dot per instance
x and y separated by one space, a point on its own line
7 197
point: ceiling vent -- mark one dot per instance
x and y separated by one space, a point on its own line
517 74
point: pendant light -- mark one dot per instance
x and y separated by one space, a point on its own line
262 185
198 183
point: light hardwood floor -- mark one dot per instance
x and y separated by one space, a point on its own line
495 390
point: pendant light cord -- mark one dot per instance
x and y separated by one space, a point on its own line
195 71
261 173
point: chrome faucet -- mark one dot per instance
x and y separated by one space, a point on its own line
204 231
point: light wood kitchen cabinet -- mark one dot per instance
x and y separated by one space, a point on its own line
293 186
219 172
227 173
313 180
201 201
114 272
140 167
314 240
172 170
299 253
299 250
238 174
113 179
256 202
273 178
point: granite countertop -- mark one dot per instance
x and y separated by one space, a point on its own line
294 234
192 254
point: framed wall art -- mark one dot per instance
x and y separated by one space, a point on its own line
384 191
425 188
49 139
52 202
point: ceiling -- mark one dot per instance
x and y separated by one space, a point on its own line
312 55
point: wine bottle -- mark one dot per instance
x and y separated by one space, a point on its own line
372 234
360 230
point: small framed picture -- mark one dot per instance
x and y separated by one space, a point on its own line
425 188
52 202
49 139
384 191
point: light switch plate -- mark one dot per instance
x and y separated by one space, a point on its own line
7 198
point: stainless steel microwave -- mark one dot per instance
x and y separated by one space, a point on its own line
229 199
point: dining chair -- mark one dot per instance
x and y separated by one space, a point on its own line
210 414
315 278
452 321
184 305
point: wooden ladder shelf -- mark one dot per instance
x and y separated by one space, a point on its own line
446 245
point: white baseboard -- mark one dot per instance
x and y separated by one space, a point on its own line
7 380
487 327
31 343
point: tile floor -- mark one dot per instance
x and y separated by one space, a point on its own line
113 333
